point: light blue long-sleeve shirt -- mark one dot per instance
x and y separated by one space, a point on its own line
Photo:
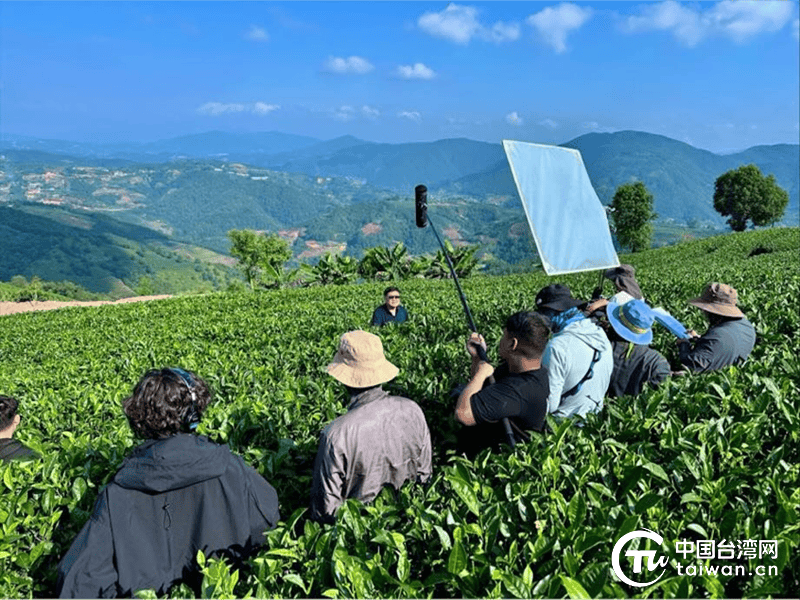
568 355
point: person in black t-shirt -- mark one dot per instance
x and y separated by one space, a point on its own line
520 392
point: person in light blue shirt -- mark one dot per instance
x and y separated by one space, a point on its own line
578 357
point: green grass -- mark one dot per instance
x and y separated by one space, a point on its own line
714 456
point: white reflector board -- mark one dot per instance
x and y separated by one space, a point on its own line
567 219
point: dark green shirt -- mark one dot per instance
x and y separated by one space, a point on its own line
381 316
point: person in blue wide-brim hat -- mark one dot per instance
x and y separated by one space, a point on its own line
635 363
633 321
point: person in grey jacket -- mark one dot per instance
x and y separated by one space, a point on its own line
381 439
730 337
578 357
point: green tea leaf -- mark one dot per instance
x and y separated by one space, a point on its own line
457 561
574 589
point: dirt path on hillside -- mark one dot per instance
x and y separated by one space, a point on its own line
10 308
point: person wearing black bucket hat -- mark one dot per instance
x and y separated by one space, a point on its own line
730 338
578 357
635 363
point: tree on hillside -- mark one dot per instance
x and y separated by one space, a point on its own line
631 215
744 194
258 253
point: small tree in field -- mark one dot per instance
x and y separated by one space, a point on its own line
258 253
744 194
631 215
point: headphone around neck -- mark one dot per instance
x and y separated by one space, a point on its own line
191 418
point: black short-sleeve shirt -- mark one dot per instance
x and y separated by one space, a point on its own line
522 397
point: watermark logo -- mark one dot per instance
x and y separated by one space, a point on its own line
704 557
639 557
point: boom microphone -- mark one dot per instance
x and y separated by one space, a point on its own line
421 194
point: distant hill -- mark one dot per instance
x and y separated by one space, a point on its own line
400 167
680 177
192 201
344 194
102 254
214 144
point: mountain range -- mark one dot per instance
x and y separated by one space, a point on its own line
349 194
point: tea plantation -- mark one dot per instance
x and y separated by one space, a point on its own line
705 457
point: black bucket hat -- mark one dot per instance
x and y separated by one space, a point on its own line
624 278
556 297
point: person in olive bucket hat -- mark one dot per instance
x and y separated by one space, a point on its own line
730 337
381 440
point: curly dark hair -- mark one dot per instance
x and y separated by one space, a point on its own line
165 402
8 410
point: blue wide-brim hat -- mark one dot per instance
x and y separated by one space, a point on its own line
633 321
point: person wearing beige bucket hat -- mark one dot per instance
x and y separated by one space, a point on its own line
730 337
381 440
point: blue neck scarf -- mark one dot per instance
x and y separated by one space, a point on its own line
569 316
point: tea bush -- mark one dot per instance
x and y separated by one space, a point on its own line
704 457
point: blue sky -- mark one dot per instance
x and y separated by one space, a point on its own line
719 75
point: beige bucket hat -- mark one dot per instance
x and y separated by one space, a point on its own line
359 362
720 299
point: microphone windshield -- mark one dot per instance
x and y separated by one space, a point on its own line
421 193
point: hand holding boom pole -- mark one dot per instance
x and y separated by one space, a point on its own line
421 199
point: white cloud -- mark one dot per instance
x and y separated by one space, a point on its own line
742 20
553 25
353 64
590 125
455 23
460 24
216 109
501 32
415 71
411 115
257 34
737 20
682 21
514 119
344 113
220 108
262 108
549 123
370 112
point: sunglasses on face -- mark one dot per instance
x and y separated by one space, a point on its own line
394 297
